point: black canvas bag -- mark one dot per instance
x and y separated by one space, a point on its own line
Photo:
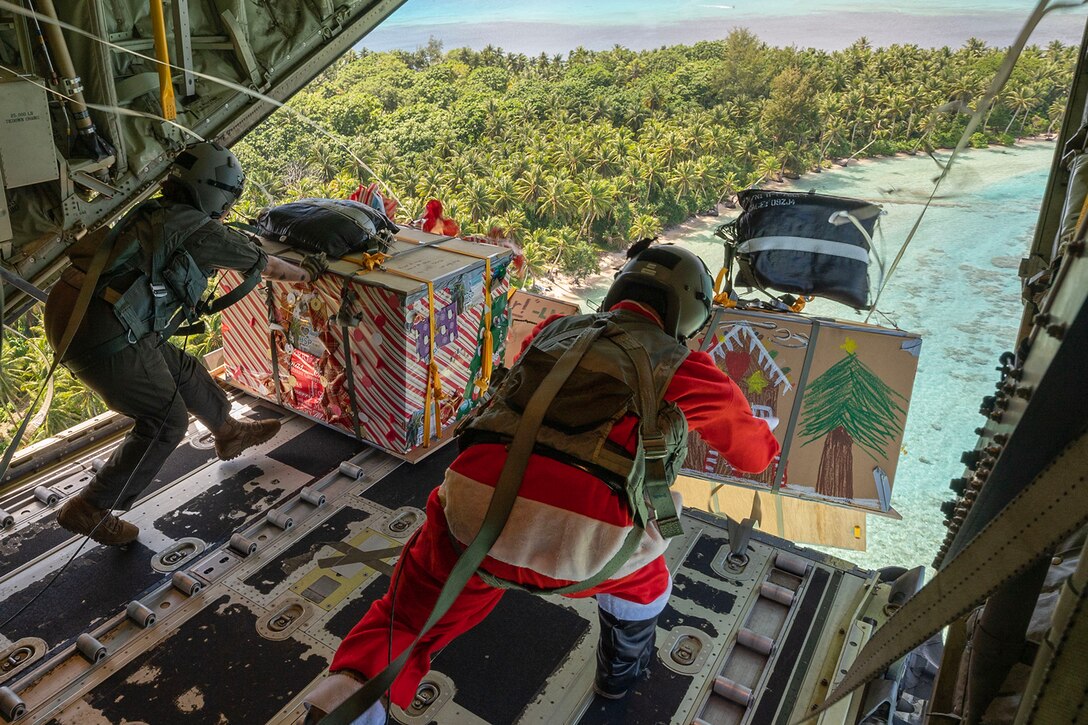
334 226
804 244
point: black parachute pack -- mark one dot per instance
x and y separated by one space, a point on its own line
803 243
334 226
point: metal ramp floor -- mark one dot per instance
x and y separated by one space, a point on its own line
248 573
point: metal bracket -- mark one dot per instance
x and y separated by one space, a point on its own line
183 45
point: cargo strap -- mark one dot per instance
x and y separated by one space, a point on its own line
1045 513
487 353
349 376
369 261
433 394
273 328
498 511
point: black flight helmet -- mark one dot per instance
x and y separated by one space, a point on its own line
212 176
673 281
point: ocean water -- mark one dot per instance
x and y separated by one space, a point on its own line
561 25
957 287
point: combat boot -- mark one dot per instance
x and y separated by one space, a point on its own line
84 518
237 435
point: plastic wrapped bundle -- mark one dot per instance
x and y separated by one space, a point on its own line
805 243
334 226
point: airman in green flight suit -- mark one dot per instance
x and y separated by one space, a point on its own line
163 252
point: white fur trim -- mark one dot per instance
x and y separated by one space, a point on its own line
554 542
632 611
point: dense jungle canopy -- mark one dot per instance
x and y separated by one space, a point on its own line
570 155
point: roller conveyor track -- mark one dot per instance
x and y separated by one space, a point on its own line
248 573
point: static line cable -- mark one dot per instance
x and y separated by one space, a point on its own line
996 85
118 110
19 10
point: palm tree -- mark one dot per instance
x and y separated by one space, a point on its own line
644 226
594 199
476 200
554 199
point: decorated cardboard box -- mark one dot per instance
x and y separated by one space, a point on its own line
840 391
393 350
527 310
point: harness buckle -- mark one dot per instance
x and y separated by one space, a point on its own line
158 290
670 527
655 447
131 337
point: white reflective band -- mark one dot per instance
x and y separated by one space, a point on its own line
630 611
805 244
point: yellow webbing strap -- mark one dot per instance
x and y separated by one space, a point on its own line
434 381
368 261
372 261
488 353
722 295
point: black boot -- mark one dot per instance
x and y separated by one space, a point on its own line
623 652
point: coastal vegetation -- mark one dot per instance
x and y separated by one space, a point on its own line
569 155
573 155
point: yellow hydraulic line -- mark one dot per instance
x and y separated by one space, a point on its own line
166 84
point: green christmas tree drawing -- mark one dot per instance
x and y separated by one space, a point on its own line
848 404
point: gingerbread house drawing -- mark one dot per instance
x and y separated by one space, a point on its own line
741 354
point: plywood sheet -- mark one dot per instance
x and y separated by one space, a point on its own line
800 521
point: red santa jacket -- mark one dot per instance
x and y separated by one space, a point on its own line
567 524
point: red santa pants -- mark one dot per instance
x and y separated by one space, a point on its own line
418 577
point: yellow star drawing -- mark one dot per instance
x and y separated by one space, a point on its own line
850 346
757 382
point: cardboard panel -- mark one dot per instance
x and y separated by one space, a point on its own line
527 310
800 521
840 391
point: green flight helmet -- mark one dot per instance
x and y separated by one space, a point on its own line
672 280
212 176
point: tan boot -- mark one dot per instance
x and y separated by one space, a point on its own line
237 435
332 691
82 517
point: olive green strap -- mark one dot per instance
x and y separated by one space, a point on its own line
498 511
218 304
626 551
652 444
349 378
270 303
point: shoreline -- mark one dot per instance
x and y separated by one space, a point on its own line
564 287
834 30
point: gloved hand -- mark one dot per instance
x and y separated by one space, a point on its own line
315 265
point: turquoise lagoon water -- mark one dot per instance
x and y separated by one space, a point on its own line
561 25
957 287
